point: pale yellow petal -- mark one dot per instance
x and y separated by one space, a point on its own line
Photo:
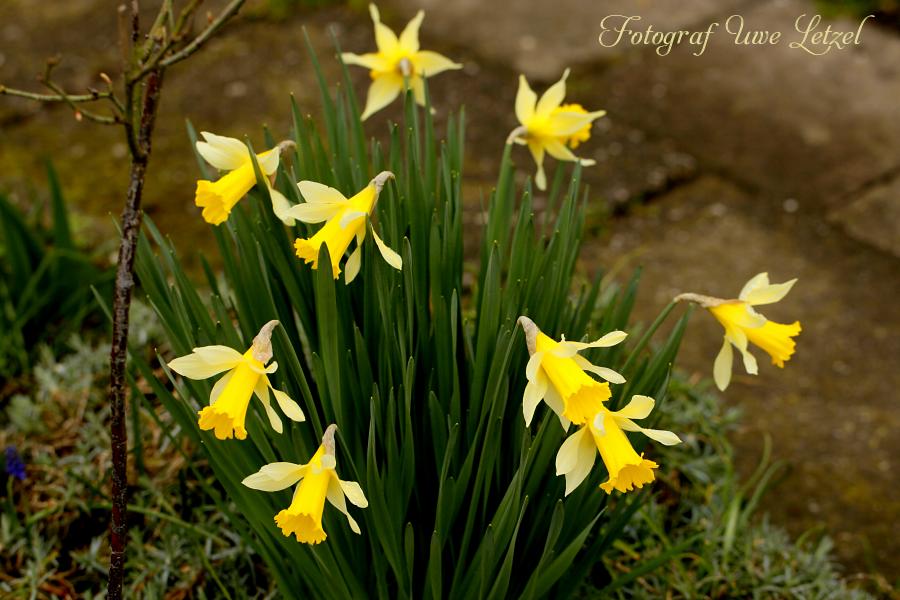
431 63
221 153
391 257
537 152
723 365
206 361
605 373
262 392
384 89
534 364
409 37
354 493
666 438
566 123
637 408
275 476
534 393
576 458
553 97
525 101
768 294
335 496
371 61
385 39
268 161
758 280
351 267
288 406
281 207
558 150
310 212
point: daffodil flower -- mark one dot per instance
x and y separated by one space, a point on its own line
247 374
549 126
318 482
397 60
345 219
743 324
604 433
556 374
217 198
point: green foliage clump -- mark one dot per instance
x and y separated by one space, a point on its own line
705 509
45 282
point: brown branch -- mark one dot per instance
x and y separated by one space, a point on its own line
131 224
229 11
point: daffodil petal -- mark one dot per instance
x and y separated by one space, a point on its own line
371 61
391 257
310 212
275 476
603 372
409 37
666 438
385 39
566 123
637 408
281 207
384 89
758 280
723 365
575 459
335 496
534 364
559 151
288 406
354 493
351 267
767 294
534 393
224 153
553 97
262 392
429 63
219 387
525 101
206 361
537 152
350 216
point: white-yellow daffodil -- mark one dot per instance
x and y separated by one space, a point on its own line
246 375
605 433
556 374
346 219
397 60
318 482
217 198
744 324
549 126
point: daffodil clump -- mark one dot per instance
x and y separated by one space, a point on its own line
416 374
744 325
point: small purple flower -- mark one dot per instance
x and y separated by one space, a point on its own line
14 465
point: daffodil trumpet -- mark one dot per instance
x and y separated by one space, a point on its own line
398 63
318 482
547 126
232 156
345 219
744 325
605 433
245 375
557 374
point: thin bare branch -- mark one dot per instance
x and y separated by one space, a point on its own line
229 11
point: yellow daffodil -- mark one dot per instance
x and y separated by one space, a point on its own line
743 324
318 482
397 60
605 432
346 219
549 126
556 375
217 198
246 375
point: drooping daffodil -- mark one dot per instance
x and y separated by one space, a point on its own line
318 482
245 374
605 433
744 324
217 198
547 126
345 219
397 60
557 375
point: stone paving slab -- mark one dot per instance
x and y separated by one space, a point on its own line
832 411
814 129
874 217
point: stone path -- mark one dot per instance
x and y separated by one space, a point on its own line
714 168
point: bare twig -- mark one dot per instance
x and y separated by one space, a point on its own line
229 11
